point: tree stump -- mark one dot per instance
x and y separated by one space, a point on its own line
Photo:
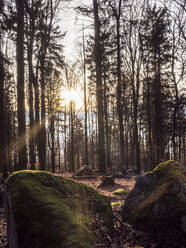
107 181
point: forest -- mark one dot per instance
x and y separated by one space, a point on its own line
120 104
92 123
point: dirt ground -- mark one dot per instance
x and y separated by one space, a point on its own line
123 236
120 183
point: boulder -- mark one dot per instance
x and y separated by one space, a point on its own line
84 171
158 201
55 212
96 172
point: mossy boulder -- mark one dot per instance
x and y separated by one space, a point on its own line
158 201
84 171
55 212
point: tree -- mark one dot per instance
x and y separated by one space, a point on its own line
99 89
156 47
31 13
117 10
3 138
85 101
22 146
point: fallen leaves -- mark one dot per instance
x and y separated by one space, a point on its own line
123 235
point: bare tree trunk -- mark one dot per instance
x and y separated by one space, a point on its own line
136 139
37 115
53 164
86 159
72 169
22 147
158 113
42 133
65 132
107 131
99 90
32 158
58 144
119 98
3 140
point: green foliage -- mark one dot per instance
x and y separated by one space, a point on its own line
52 211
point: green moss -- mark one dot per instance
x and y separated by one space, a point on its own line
120 192
114 204
169 170
144 212
51 211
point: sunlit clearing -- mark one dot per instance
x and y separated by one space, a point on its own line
74 95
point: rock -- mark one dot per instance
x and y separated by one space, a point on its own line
158 201
120 175
52 211
124 172
84 171
107 181
96 172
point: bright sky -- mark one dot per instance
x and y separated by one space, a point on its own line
74 95
73 25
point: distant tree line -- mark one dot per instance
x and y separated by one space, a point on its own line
136 62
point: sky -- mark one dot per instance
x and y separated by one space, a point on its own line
72 24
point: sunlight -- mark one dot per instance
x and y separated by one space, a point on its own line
74 95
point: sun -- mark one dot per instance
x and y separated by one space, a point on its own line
72 95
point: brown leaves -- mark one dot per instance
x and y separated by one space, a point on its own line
3 229
123 235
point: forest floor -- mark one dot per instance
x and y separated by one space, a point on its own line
3 222
123 235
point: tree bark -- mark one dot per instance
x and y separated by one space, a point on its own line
22 147
32 158
72 154
86 158
3 140
99 90
42 132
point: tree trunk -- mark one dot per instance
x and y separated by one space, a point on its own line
136 139
22 147
53 144
99 90
158 112
119 97
150 148
42 133
37 126
72 154
65 133
107 131
86 159
31 110
3 140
